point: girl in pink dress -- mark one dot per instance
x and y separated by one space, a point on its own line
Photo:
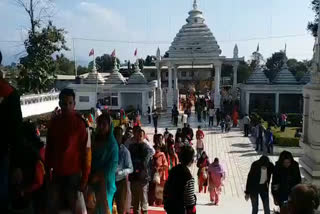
216 176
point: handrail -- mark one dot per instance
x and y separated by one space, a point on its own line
38 98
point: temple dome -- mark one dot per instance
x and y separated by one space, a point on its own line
94 77
137 77
285 76
258 77
194 38
115 77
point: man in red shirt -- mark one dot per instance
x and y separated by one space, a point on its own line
66 155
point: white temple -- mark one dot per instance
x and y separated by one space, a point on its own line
282 95
193 45
115 92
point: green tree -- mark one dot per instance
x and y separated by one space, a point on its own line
297 68
274 64
104 63
313 26
37 69
64 65
244 72
150 61
82 70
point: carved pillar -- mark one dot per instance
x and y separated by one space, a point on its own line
176 87
217 96
159 89
170 91
235 74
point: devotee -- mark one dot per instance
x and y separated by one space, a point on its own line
149 114
67 158
211 116
246 123
216 176
141 156
124 169
203 164
10 112
259 138
159 168
155 117
179 194
269 140
303 199
200 145
258 184
105 160
286 175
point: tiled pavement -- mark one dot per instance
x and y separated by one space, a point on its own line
235 152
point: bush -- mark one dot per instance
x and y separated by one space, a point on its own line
256 119
286 141
294 120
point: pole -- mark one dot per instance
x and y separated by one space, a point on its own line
74 58
96 72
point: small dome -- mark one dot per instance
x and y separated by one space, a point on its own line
285 76
137 77
258 77
115 77
92 78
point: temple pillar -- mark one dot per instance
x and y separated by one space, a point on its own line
310 161
235 74
217 96
247 102
277 103
159 89
176 87
170 91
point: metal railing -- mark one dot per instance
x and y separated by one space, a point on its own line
38 98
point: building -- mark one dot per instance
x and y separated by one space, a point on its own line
115 92
282 95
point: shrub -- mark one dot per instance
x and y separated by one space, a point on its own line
294 120
286 141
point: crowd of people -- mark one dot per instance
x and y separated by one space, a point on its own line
100 168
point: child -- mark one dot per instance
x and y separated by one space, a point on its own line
222 124
216 176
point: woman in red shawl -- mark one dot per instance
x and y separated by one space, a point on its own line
216 176
203 164
235 116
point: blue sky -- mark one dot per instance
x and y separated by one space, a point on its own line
156 22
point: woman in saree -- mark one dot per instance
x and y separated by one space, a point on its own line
105 155
216 176
202 164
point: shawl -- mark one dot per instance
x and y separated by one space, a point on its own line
106 159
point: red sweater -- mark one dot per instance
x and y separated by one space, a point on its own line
66 145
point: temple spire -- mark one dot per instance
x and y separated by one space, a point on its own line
195 5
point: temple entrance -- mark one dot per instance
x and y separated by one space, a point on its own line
131 100
290 103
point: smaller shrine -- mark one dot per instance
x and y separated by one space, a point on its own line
282 95
115 92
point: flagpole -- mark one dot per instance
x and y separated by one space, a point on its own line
96 72
74 58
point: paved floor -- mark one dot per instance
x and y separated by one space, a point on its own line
235 152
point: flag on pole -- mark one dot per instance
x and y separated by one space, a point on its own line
113 54
91 53
136 52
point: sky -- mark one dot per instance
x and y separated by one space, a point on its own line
145 25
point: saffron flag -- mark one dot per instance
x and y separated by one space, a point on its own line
113 54
91 52
136 52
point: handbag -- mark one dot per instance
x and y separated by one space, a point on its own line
204 174
91 199
156 178
159 192
80 204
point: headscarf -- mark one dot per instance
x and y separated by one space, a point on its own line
107 160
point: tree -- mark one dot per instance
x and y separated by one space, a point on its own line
297 68
141 63
104 63
313 26
274 64
64 66
37 68
256 60
244 72
150 61
82 70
